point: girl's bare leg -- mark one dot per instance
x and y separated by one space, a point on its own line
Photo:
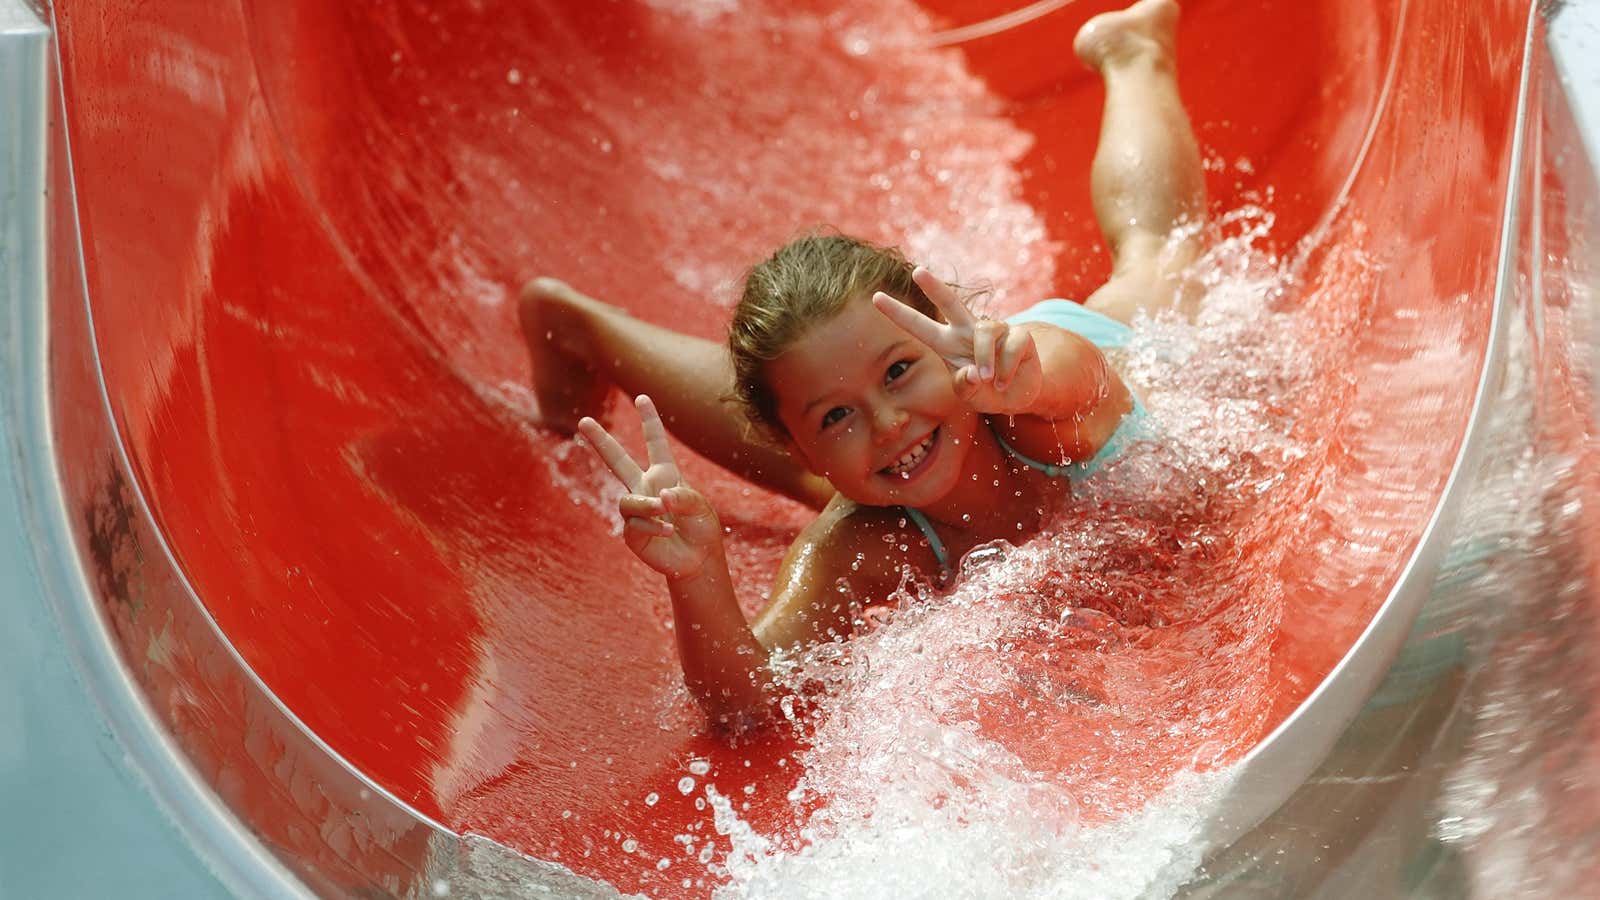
581 347
1147 183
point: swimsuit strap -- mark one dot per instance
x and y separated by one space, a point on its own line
921 520
1113 446
934 543
1126 434
1051 469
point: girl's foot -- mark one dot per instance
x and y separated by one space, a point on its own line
567 385
1148 28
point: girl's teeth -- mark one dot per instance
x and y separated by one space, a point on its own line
912 457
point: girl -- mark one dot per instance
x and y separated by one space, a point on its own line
886 399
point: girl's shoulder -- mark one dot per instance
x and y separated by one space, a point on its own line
866 543
851 554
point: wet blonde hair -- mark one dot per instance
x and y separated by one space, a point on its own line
806 282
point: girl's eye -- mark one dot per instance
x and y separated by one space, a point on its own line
834 415
896 370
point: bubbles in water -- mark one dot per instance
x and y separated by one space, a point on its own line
983 556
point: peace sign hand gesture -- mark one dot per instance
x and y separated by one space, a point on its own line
666 523
995 367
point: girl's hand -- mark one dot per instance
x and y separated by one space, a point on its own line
996 367
666 523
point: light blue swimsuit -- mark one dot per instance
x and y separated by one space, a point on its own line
1102 331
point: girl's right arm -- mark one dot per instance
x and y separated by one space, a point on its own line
673 529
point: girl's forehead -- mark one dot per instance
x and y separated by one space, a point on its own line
836 354
857 329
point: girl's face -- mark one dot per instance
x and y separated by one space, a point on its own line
873 410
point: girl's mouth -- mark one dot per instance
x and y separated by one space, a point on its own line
912 461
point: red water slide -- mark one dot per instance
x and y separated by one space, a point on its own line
303 229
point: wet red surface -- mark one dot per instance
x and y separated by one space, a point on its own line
304 223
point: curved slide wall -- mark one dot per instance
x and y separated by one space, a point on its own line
301 228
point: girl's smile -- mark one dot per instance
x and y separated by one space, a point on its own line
913 462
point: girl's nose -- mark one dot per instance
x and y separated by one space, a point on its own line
888 421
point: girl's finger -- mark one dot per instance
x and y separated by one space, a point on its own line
944 297
1015 349
683 500
935 334
646 527
985 335
966 382
656 447
641 505
611 453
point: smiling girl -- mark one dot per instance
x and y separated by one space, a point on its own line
877 396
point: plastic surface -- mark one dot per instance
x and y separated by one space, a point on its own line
55 760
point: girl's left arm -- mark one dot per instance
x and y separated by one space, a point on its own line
1073 380
1033 369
